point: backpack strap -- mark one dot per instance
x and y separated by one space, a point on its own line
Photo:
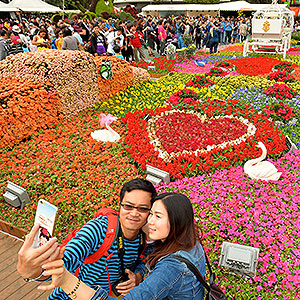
194 270
110 236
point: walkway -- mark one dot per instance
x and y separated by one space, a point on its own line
12 286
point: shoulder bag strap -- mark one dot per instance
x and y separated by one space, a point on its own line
194 270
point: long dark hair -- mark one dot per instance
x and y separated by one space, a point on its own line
183 233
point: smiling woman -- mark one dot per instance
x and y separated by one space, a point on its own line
171 226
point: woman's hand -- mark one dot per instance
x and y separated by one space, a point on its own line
134 280
55 269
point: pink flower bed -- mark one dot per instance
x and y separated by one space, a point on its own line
232 207
189 66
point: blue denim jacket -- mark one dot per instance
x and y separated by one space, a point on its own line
169 278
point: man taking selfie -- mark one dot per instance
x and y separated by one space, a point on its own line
122 258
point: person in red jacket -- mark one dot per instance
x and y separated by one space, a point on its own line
136 44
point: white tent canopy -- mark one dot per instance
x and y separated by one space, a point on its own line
6 8
228 6
33 6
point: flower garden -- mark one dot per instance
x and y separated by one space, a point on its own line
200 121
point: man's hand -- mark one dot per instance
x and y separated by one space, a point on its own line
126 286
30 260
55 269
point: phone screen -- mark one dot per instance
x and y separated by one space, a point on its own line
46 217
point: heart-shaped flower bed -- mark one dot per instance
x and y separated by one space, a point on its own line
239 147
176 132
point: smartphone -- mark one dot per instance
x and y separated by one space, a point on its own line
46 214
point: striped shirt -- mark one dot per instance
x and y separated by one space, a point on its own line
86 242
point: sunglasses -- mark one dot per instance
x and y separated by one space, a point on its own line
142 210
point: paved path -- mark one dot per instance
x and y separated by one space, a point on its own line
12 286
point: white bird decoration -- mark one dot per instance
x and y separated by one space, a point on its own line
259 169
108 134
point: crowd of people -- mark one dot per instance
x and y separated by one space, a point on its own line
123 38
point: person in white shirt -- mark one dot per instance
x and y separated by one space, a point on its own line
114 38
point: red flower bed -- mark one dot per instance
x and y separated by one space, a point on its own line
254 66
189 164
162 65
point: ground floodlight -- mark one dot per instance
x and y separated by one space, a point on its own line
240 259
157 176
151 68
16 195
290 145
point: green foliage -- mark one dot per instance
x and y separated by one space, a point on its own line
90 15
102 7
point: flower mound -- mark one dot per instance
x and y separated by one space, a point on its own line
280 91
282 76
231 207
72 73
200 81
142 151
183 97
122 77
279 112
140 75
26 107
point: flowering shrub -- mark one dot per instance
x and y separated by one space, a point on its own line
140 75
68 168
279 112
184 97
281 76
142 151
284 66
215 71
225 65
72 73
122 77
229 206
25 107
280 91
200 81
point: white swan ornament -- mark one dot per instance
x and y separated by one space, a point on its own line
108 134
259 169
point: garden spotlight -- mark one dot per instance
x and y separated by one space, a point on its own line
16 195
290 145
157 176
240 259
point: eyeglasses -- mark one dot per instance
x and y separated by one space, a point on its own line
142 210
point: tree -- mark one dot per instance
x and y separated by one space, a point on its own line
82 5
